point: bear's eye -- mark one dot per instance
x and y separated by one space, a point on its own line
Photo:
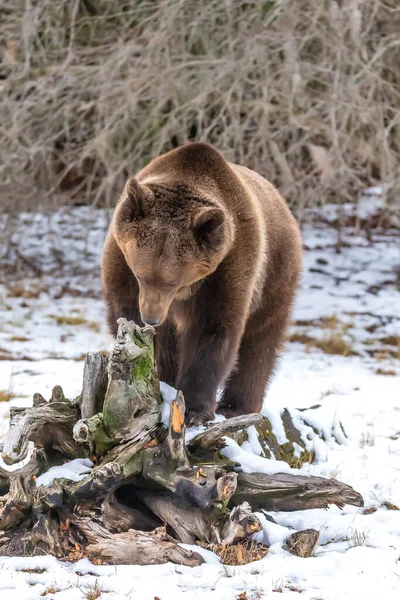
170 286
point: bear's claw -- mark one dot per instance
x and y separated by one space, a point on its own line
194 418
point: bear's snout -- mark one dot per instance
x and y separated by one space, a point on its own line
153 321
153 305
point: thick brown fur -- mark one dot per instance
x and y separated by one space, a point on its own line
211 251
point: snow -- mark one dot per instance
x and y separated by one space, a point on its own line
74 470
352 295
252 445
250 463
168 394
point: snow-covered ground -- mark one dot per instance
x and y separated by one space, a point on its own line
51 314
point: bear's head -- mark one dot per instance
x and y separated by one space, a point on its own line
171 238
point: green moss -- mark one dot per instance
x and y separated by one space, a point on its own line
143 364
286 451
211 457
143 340
239 436
143 367
101 438
267 438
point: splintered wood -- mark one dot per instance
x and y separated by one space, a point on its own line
147 490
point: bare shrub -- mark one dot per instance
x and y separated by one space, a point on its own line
358 538
306 93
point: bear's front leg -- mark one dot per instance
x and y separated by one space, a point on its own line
206 358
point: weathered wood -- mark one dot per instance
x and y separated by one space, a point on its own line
92 433
208 438
191 524
302 543
142 475
187 522
16 503
133 396
129 455
4 481
287 492
168 467
94 384
242 523
198 496
45 529
119 517
136 547
237 428
47 424
194 511
97 485
175 443
131 404
196 506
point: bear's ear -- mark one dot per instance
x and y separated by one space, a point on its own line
208 226
133 205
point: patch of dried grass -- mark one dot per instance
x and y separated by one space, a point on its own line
6 395
36 570
51 589
358 538
306 93
387 372
332 342
240 554
76 320
92 593
390 506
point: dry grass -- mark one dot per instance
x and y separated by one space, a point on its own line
390 506
332 342
385 354
6 395
370 510
93 593
391 340
388 372
358 538
69 320
35 570
21 291
306 93
72 320
390 347
335 338
302 338
51 589
241 554
280 588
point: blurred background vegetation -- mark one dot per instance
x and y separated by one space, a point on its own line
307 92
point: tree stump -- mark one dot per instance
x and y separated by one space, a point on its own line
105 479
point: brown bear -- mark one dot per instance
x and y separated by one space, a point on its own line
209 253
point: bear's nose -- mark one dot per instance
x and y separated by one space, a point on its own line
153 321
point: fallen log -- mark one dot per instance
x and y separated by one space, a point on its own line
288 492
136 547
105 474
